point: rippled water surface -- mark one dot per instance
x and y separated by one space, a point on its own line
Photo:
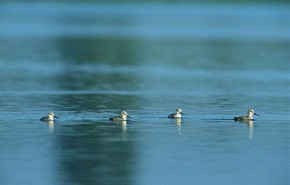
89 62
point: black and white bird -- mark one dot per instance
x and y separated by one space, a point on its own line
50 117
123 117
178 114
250 116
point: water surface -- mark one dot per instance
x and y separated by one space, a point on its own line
88 62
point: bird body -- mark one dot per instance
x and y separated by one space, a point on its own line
50 117
178 114
123 117
250 116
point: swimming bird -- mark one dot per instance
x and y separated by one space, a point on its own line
50 117
250 116
123 117
177 114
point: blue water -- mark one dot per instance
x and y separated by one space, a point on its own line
88 62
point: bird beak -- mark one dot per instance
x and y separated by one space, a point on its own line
129 116
55 116
181 113
256 114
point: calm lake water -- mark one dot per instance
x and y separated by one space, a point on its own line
88 62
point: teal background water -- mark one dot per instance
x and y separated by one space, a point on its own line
88 62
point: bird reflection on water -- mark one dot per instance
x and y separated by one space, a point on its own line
250 124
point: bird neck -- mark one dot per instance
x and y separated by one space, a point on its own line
250 115
50 117
178 114
123 117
